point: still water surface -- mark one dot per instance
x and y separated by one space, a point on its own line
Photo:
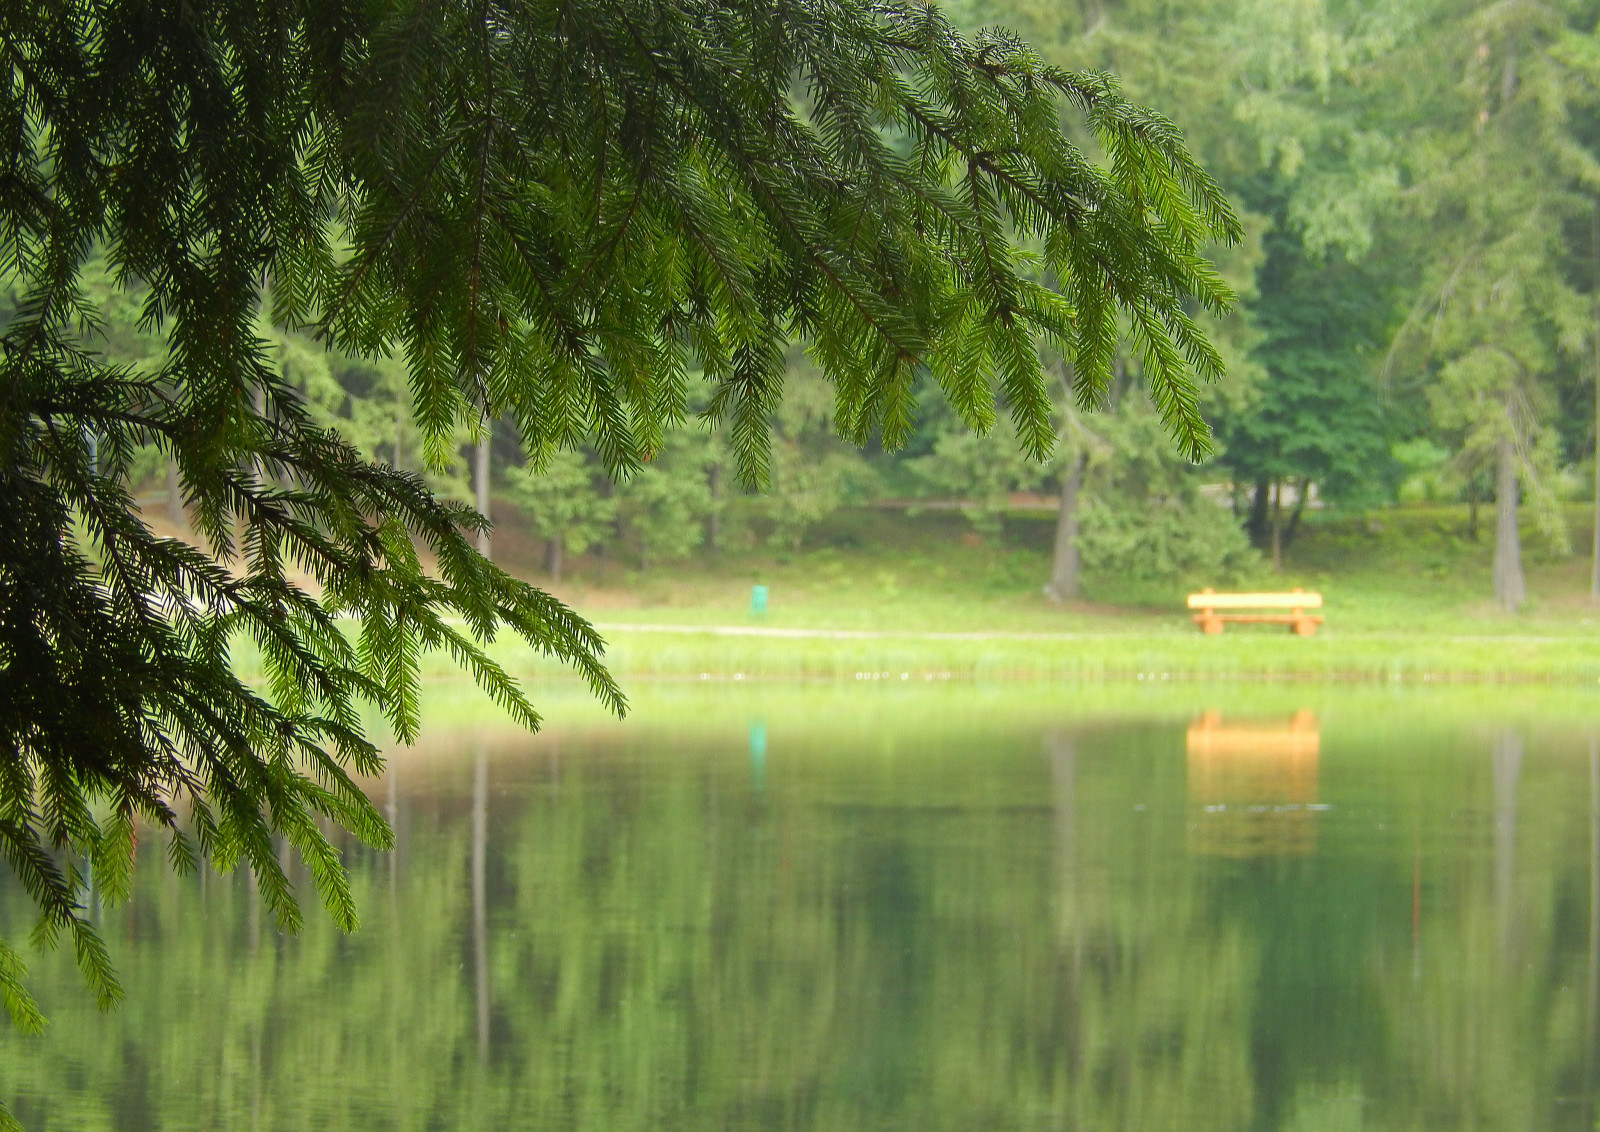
752 909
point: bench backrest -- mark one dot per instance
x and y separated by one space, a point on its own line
1255 601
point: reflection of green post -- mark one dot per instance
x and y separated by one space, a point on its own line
758 756
758 601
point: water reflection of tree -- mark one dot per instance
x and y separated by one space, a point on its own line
1491 1032
939 939
1158 1011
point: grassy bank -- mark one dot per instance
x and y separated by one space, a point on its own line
700 655
1180 655
1125 655
1401 570
1407 592
886 595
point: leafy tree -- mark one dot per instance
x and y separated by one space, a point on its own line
664 505
1130 509
122 339
811 470
1250 84
1577 53
1497 316
1146 518
980 471
567 499
550 213
1317 416
802 491
368 405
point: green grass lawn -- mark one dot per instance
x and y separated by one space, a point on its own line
1406 571
1407 598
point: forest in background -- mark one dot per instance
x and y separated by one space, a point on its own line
1419 317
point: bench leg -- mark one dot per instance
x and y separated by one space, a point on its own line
1304 627
1210 626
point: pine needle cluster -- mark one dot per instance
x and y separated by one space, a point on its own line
556 211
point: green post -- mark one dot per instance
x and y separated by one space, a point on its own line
758 601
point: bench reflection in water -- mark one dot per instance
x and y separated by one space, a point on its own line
1253 786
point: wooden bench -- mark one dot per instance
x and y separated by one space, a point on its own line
1288 609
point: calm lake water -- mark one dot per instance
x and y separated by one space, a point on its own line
889 907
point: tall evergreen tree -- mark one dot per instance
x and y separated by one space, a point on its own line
1498 319
1577 52
550 211
1316 417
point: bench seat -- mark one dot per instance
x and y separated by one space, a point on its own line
1213 609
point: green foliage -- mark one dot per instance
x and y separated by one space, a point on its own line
1424 467
802 491
1317 413
1189 541
566 499
1501 183
551 215
1484 397
812 470
980 471
1426 165
1146 519
664 505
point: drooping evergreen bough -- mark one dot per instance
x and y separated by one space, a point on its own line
554 211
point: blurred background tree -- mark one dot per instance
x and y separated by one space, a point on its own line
569 502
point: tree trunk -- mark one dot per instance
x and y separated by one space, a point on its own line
552 558
1277 526
1066 583
714 518
1594 258
1472 513
480 484
1299 510
1594 562
1257 523
1510 588
174 495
